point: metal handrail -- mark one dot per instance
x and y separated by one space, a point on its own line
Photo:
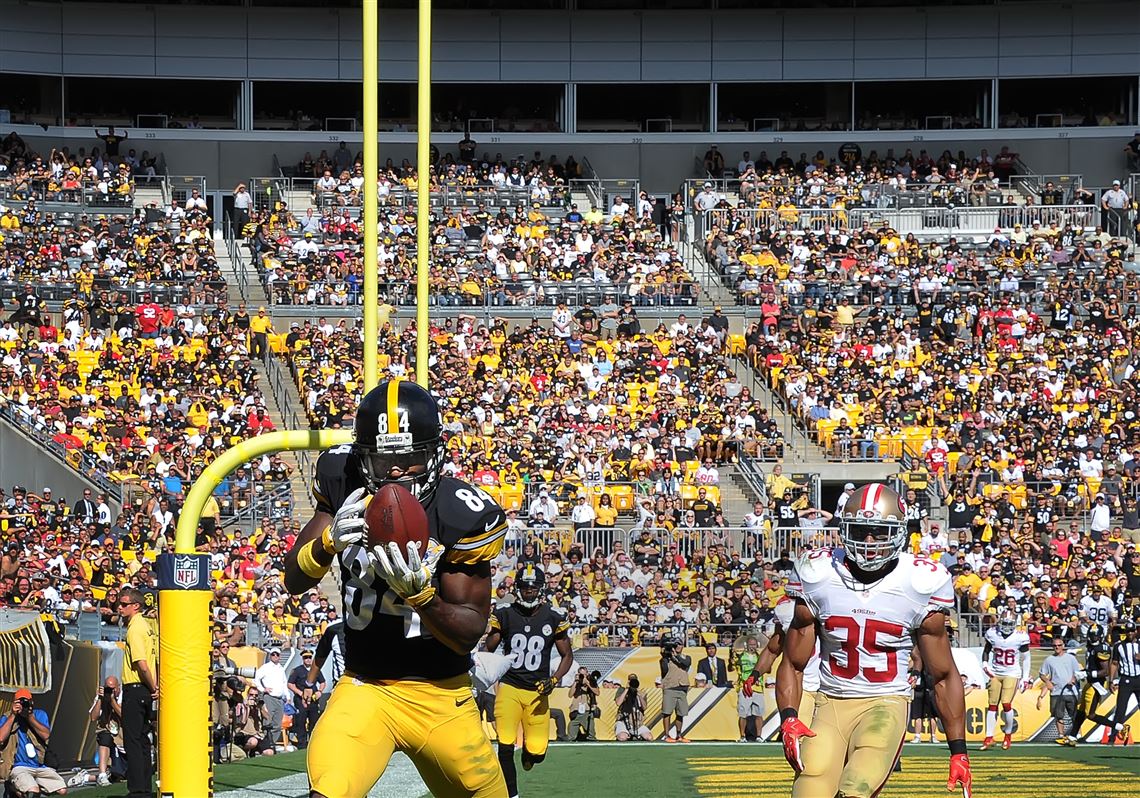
72 458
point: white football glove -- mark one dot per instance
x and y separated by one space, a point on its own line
411 577
347 527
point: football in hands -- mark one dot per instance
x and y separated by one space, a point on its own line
394 515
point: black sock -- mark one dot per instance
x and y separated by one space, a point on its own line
507 763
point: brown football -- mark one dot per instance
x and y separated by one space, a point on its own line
395 516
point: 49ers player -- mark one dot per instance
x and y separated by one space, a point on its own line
867 604
1005 645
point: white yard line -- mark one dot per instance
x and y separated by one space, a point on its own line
400 780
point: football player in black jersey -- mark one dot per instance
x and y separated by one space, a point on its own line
1098 658
410 623
528 629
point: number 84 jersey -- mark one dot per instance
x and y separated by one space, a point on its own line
865 631
383 637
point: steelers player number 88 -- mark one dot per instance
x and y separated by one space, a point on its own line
526 652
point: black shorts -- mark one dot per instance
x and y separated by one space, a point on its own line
922 705
104 739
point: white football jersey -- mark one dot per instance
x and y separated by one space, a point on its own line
1098 611
784 612
1006 651
865 630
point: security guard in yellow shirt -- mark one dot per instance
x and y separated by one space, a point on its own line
140 691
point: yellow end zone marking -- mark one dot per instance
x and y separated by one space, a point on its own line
1041 777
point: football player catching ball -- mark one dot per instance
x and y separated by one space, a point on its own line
411 622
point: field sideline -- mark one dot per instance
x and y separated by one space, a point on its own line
727 770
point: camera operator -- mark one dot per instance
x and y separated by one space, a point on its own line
250 720
631 712
584 704
29 726
223 714
674 687
107 715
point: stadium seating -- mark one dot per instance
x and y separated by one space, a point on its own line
504 237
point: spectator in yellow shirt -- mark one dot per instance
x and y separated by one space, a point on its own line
260 326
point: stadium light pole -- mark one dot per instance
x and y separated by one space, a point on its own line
423 193
371 210
185 764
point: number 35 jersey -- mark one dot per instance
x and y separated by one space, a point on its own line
528 640
383 637
865 631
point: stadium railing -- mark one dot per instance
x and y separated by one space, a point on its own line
760 543
73 458
179 187
930 220
87 199
162 293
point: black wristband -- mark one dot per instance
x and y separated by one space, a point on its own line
788 713
956 747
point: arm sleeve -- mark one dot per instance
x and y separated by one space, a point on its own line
1026 665
482 543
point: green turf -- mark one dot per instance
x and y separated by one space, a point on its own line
638 770
237 774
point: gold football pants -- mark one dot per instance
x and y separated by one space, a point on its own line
856 743
515 706
435 723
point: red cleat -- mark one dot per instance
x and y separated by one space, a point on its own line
1007 742
987 744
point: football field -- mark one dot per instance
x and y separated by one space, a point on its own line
727 770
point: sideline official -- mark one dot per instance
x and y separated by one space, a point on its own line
140 691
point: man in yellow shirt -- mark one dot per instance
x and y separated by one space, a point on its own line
140 691
260 326
777 483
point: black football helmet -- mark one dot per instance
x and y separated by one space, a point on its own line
1095 634
399 438
529 585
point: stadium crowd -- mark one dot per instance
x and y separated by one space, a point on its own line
99 177
505 235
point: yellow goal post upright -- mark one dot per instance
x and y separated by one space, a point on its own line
185 762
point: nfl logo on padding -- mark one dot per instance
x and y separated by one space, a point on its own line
186 570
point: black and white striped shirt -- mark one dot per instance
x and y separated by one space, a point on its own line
1127 656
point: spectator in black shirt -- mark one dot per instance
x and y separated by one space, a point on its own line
306 698
1051 195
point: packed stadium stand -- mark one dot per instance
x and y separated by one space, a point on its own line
669 356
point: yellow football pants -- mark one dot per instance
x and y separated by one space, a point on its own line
1002 689
435 723
514 706
855 746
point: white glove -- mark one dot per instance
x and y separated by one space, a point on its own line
410 579
347 527
488 669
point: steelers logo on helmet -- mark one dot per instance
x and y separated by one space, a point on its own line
529 586
399 438
872 526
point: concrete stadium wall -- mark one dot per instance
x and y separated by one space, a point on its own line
24 463
1011 40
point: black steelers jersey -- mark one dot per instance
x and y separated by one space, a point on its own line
528 641
1097 662
383 637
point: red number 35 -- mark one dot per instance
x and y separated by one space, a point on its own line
869 634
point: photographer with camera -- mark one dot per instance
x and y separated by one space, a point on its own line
584 709
29 727
674 688
631 712
107 715
251 718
